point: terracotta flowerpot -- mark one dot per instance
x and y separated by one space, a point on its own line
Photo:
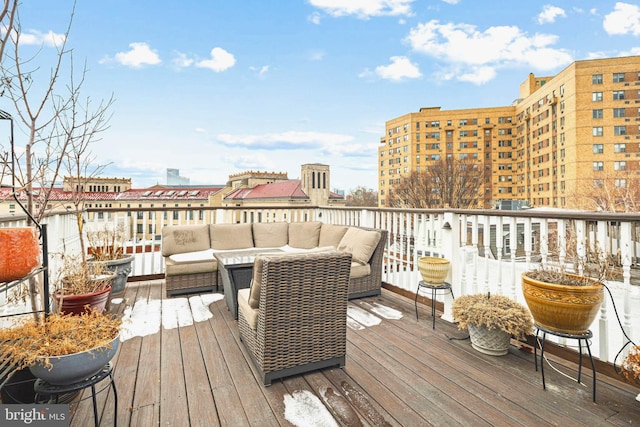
78 304
19 252
433 270
562 308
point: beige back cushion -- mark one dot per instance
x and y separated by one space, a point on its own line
177 239
359 243
256 283
270 234
231 236
330 235
304 235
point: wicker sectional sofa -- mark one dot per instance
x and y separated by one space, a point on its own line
191 266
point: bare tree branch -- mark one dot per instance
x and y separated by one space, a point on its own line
446 183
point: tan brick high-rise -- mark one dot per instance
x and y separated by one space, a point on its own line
564 134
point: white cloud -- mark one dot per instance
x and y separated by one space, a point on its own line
260 71
181 60
221 60
140 54
625 19
400 68
314 18
550 13
451 1
34 37
470 53
328 143
478 75
364 9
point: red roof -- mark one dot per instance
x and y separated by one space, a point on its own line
57 194
278 190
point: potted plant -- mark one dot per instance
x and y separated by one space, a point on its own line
81 286
61 349
560 299
433 270
631 365
491 321
106 246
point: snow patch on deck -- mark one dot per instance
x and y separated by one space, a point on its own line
382 310
302 408
146 316
362 316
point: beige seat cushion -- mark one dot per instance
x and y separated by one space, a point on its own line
174 268
304 235
270 234
330 235
231 236
250 314
359 270
359 243
178 239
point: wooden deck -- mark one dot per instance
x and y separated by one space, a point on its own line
398 372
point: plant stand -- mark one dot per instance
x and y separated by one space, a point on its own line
434 289
43 388
586 336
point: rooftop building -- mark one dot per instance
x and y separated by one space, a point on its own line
566 137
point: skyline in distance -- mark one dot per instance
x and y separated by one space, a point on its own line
221 88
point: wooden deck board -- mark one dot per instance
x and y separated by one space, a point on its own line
399 372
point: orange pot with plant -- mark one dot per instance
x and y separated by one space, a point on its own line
19 252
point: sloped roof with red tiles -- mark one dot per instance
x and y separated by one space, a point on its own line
291 189
170 193
57 194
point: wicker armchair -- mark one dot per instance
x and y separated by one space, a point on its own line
301 319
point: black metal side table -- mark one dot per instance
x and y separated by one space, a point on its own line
434 289
43 388
586 336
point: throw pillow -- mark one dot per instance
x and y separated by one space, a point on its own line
359 243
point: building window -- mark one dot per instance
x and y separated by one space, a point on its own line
598 148
619 148
597 131
618 77
176 215
598 183
596 96
620 183
619 130
596 79
620 166
618 112
618 94
598 166
597 114
139 229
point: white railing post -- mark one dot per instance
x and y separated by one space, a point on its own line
451 249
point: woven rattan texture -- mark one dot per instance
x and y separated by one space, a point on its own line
186 282
303 311
370 285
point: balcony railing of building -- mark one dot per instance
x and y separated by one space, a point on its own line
488 249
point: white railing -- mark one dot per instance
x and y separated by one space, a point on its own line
488 249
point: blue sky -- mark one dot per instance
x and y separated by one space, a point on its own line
220 87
